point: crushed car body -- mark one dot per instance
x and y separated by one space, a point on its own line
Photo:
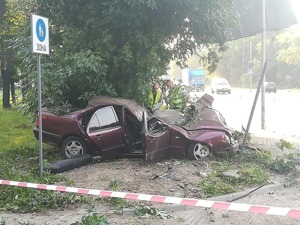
116 127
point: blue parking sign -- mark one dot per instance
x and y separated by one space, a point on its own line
40 34
40 30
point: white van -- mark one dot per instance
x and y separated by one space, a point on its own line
219 85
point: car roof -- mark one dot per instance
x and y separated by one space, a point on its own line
270 83
219 80
131 104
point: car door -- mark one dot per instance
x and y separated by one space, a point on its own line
156 140
105 130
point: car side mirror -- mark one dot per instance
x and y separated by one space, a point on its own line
164 127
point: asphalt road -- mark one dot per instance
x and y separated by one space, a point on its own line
282 110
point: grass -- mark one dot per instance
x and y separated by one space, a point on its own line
19 162
249 173
254 170
16 131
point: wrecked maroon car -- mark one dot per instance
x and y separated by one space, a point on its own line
116 127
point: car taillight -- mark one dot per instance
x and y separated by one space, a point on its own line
37 122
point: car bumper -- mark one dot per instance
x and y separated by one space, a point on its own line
49 138
224 90
227 151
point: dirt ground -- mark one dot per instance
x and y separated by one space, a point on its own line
177 178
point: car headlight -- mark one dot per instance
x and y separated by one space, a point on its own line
226 138
229 139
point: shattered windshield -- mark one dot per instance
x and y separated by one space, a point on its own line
192 117
198 114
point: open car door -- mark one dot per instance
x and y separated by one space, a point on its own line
156 139
105 131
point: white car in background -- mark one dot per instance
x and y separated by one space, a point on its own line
219 85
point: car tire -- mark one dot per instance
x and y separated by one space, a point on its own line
68 164
73 147
198 151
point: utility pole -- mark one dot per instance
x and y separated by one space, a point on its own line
243 64
263 109
250 66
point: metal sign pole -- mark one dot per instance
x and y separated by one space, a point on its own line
39 80
260 84
40 45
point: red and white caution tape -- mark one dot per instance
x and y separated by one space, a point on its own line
259 209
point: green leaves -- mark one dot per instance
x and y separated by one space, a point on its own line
283 144
285 163
116 47
92 219
218 183
146 211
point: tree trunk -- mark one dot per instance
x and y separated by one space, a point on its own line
24 86
13 92
2 10
6 76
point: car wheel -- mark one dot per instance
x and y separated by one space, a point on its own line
72 147
198 151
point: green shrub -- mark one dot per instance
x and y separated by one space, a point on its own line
92 219
285 164
215 186
249 173
144 211
252 173
284 144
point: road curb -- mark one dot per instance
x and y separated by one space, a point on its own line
268 189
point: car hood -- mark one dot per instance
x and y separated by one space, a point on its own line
206 119
200 115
